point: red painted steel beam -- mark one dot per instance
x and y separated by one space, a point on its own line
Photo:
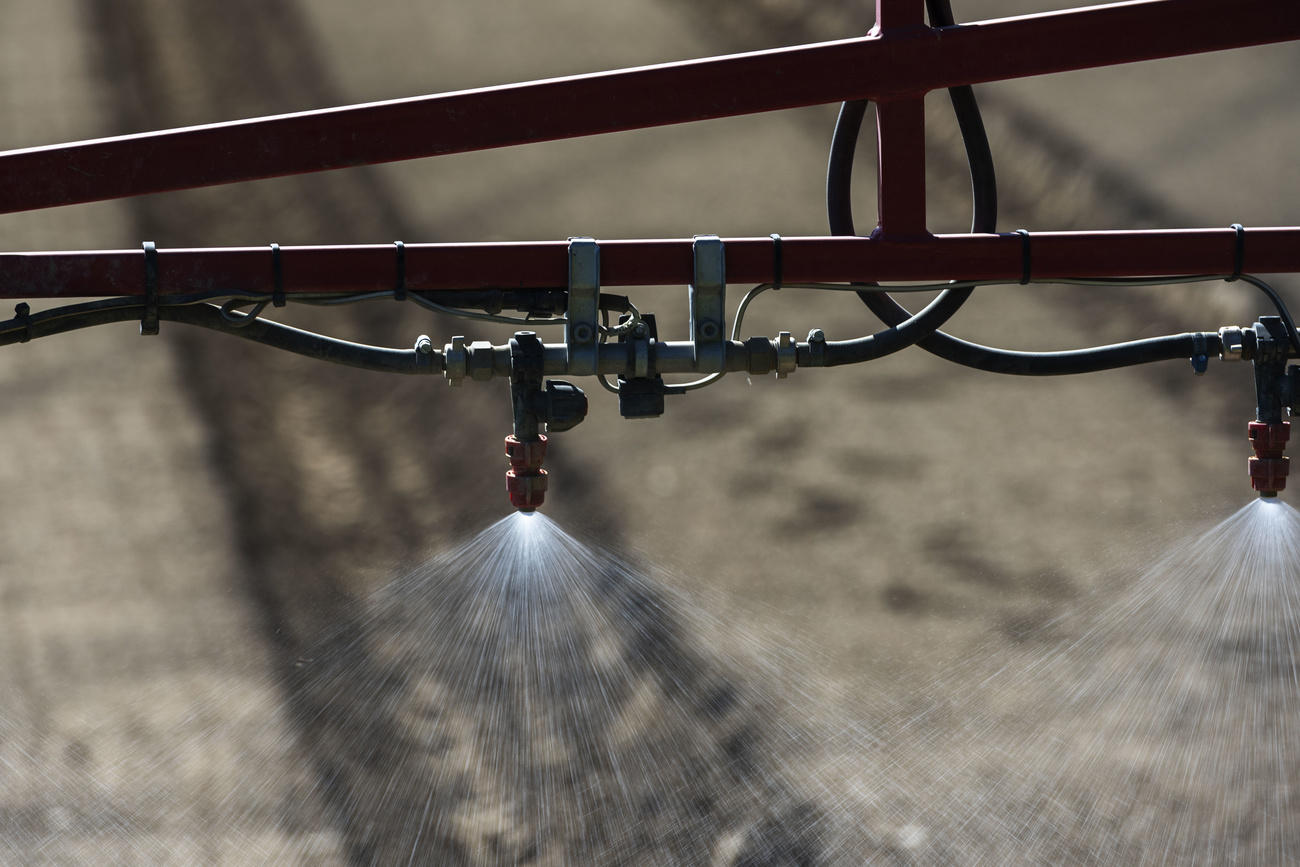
900 135
900 167
908 62
544 264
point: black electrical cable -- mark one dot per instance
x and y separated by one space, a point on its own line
193 310
839 177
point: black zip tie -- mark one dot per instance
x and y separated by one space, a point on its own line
149 319
1026 260
277 275
399 287
778 261
23 313
1239 254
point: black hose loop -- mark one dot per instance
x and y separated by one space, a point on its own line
235 317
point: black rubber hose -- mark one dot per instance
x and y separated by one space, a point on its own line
273 334
308 343
839 185
907 329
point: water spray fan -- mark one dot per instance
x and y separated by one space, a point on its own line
565 284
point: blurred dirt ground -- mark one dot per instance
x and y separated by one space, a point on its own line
186 514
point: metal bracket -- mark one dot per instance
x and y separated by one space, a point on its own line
708 299
584 307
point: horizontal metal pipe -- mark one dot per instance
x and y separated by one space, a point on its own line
544 264
891 63
666 357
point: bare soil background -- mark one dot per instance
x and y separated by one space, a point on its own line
193 512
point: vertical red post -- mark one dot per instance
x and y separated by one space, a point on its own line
900 133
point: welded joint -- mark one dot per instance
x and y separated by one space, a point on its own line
708 300
581 325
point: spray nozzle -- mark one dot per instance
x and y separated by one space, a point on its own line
1267 345
526 480
556 404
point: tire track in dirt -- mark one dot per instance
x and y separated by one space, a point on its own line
319 494
325 500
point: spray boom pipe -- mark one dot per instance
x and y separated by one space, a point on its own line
895 66
544 265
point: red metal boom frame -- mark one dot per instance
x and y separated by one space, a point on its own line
895 66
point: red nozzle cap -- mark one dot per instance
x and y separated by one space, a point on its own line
526 480
1269 468
527 492
526 454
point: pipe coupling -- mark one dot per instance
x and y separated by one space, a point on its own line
787 355
1233 340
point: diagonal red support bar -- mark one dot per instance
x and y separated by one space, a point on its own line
544 264
910 61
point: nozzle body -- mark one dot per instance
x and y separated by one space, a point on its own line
526 480
1269 467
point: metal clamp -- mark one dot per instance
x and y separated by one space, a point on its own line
456 361
580 329
708 300
787 355
1232 343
